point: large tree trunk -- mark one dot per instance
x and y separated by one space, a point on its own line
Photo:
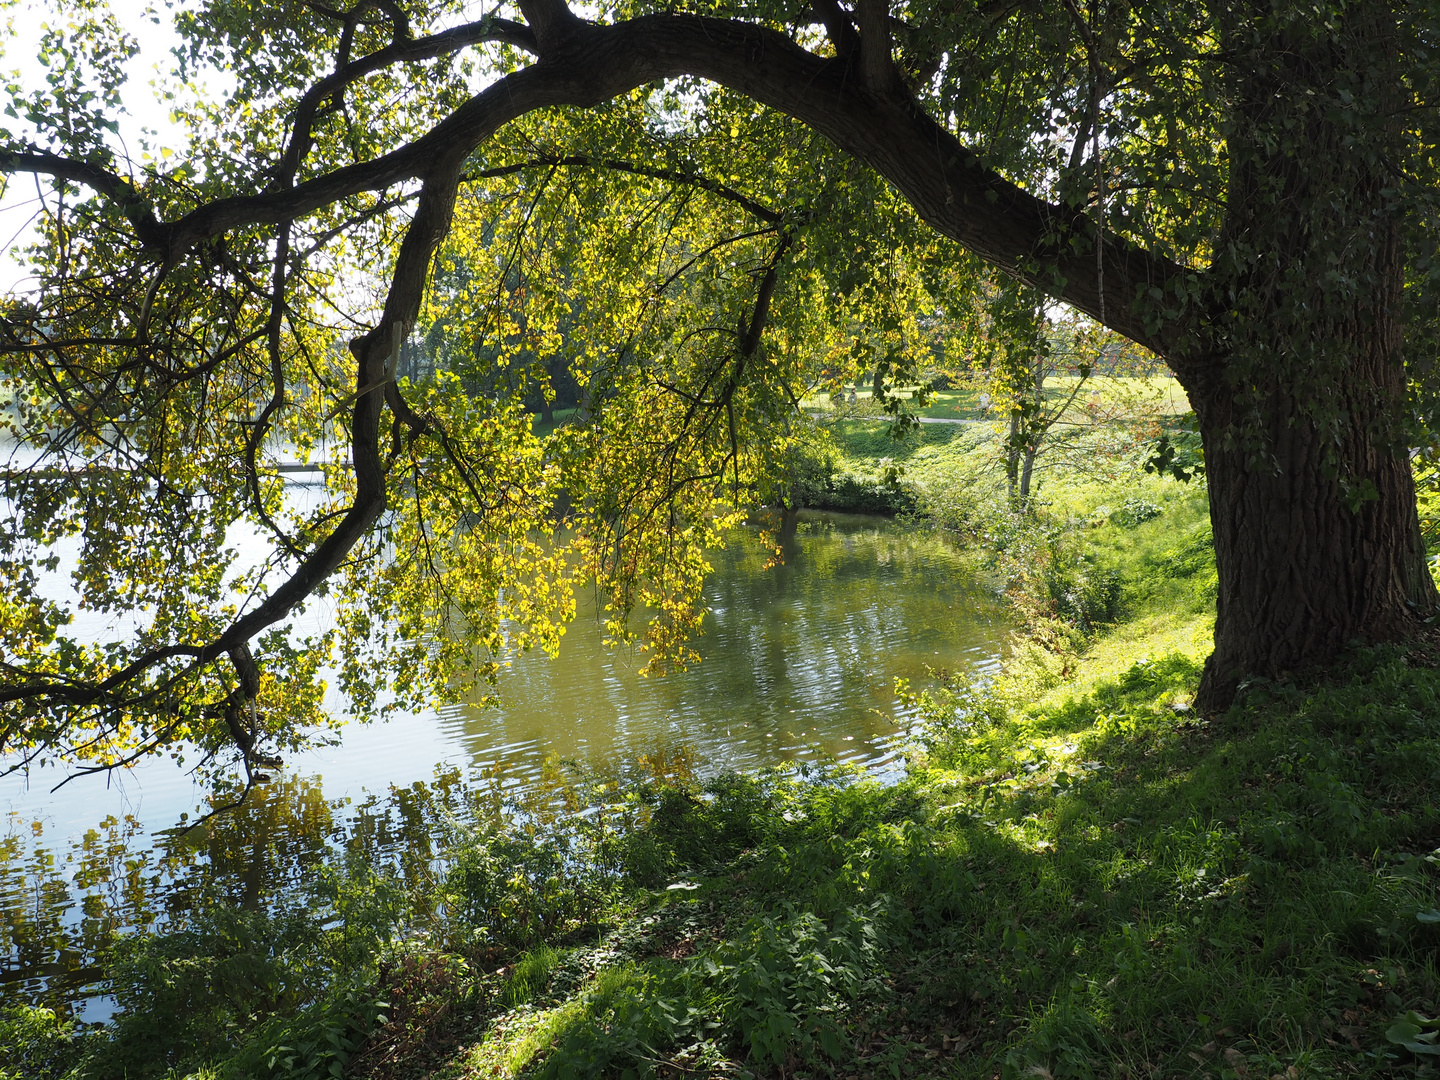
1302 409
1308 564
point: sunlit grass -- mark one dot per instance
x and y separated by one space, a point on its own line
964 403
512 1042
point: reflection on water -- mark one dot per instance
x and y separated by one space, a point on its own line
799 660
799 663
62 905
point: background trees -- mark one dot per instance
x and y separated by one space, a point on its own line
1234 186
1043 373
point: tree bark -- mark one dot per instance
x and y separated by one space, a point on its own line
1312 498
1027 472
1012 458
1303 571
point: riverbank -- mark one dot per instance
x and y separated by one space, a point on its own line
1077 877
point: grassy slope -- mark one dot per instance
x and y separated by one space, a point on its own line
964 403
1088 882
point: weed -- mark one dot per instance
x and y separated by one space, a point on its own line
36 1042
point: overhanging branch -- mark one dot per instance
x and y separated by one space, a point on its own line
943 180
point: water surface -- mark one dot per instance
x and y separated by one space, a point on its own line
799 664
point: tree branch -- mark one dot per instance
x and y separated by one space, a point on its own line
117 189
373 353
552 21
764 213
1037 241
402 50
838 27
877 64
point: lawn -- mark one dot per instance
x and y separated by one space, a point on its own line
1161 392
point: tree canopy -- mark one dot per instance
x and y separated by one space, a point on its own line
703 211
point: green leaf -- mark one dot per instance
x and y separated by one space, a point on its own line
1401 1032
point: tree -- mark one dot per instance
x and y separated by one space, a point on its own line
1242 188
1020 347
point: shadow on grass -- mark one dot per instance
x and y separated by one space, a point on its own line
1113 888
1102 887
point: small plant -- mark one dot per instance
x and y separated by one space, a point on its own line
37 1044
1054 586
529 974
1416 1033
1136 511
511 889
318 1044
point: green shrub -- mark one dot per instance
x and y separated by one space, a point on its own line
627 1017
316 1044
783 982
258 994
192 994
1136 511
1050 577
37 1044
691 829
777 992
853 492
512 889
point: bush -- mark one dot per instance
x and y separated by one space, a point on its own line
857 493
1135 511
784 981
695 830
510 889
37 1044
191 994
289 988
1052 580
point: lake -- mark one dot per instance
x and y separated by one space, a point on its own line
799 664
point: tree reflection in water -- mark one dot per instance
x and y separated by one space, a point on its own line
62 909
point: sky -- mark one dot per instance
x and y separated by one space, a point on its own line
26 20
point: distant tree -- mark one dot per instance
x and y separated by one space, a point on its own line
1043 372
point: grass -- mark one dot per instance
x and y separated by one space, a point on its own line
1097 884
964 403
